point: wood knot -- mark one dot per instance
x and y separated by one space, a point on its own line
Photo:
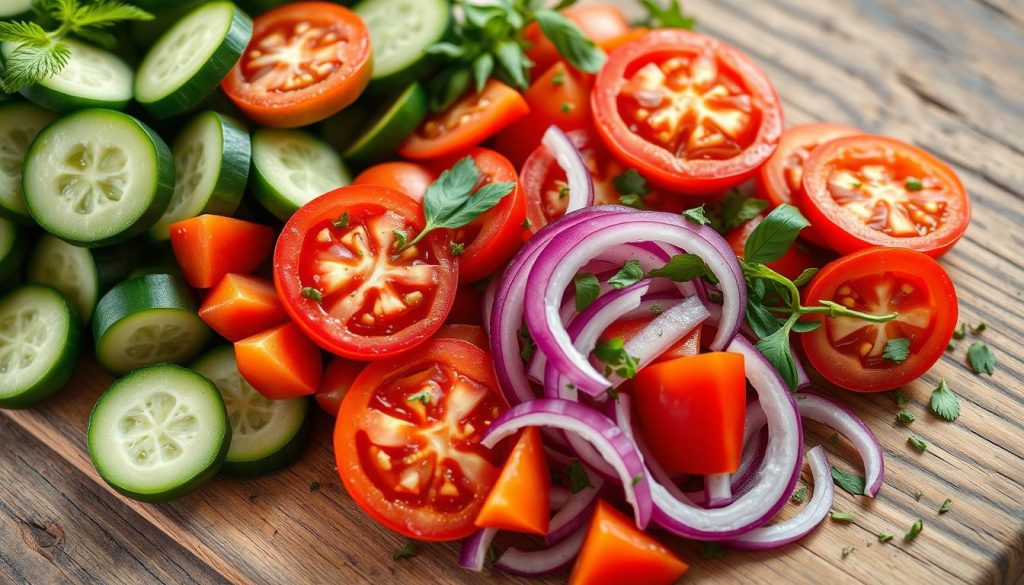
46 540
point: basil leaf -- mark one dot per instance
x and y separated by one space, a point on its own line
483 200
630 273
772 238
513 63
776 350
850 482
587 290
572 44
483 66
683 267
736 209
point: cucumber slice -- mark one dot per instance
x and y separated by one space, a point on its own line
11 8
158 433
39 343
13 248
97 177
19 124
400 32
69 269
291 168
386 130
211 164
189 61
147 320
93 78
266 435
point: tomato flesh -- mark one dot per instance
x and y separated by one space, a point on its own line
850 352
781 178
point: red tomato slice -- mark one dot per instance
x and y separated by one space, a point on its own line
405 177
850 352
305 62
519 500
407 440
493 238
792 263
471 120
615 551
209 247
337 379
690 113
699 402
241 306
374 301
864 191
280 363
598 22
474 334
560 97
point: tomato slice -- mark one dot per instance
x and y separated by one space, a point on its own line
851 352
691 113
691 411
520 499
493 238
364 298
600 22
405 177
780 179
306 61
337 379
407 440
474 334
468 122
864 191
792 263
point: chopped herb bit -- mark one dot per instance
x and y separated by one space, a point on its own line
905 417
457 248
858 185
615 358
566 107
847 551
425 396
884 537
527 346
558 78
631 182
735 209
630 273
657 309
915 529
917 443
526 224
981 358
492 554
637 478
917 495
587 290
945 506
400 238
406 552
697 215
577 476
980 327
900 398
314 486
849 482
563 191
834 439
897 350
711 550
950 346
341 222
842 516
799 495
944 402
960 331
612 393
311 293
914 184
634 201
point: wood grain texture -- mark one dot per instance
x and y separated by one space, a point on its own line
946 75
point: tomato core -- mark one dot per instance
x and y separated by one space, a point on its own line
294 55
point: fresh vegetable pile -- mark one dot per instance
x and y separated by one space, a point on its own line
583 268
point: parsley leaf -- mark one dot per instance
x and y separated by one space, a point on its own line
400 238
945 506
850 482
944 402
631 182
842 516
578 50
772 238
848 550
799 495
711 550
670 16
577 476
697 215
736 209
450 201
981 358
457 248
915 529
630 273
884 537
615 358
406 552
917 443
683 267
897 350
587 290
341 222
905 417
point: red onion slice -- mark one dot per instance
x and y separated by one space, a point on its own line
577 174
609 440
575 512
717 490
805 521
670 326
829 412
473 552
775 479
540 563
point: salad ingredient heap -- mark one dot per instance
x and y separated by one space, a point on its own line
582 285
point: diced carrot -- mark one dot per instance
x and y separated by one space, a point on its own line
209 247
241 306
280 362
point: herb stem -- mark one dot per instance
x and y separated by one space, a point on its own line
836 311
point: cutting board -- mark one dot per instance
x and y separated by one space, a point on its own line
945 75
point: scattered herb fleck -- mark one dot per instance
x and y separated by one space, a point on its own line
850 482
577 476
711 550
884 537
526 224
834 439
311 293
566 107
697 215
587 290
406 552
979 328
915 529
917 443
945 506
637 479
799 495
960 331
314 486
917 495
425 396
900 398
630 273
905 417
341 222
616 360
457 248
400 238
914 184
842 516
847 551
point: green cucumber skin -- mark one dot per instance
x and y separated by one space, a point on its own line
205 475
265 192
9 102
208 79
56 101
59 374
276 461
160 197
380 141
153 291
420 69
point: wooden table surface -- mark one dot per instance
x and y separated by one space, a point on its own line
943 74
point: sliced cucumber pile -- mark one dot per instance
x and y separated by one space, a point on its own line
93 78
20 122
69 269
147 320
266 435
211 164
39 343
96 177
388 128
400 32
189 61
13 247
158 433
291 168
